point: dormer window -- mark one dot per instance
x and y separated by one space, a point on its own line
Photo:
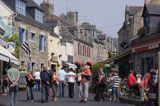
21 7
38 16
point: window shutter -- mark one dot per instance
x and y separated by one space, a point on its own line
27 36
45 43
40 42
21 36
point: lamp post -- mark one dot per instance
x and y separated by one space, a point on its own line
158 78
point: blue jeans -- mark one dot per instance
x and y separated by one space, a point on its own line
30 93
115 92
61 89
13 98
37 85
83 88
44 92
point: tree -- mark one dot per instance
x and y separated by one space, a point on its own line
15 39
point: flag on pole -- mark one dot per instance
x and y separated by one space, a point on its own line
26 48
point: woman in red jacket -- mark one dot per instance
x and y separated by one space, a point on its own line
131 81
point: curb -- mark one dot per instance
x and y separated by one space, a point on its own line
131 101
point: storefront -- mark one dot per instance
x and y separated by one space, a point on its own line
146 54
5 58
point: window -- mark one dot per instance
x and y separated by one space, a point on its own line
146 21
89 51
38 16
45 43
27 36
33 36
21 38
78 48
83 50
21 7
40 42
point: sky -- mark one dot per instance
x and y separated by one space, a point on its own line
107 15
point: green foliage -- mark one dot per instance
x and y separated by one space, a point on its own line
95 69
15 39
142 31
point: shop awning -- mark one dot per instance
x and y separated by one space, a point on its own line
71 65
5 55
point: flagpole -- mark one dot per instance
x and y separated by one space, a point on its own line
29 55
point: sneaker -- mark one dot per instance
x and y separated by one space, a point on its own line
42 101
32 100
85 101
81 100
55 99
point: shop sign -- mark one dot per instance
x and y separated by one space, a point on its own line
154 46
10 46
146 47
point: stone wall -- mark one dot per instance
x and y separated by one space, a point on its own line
37 57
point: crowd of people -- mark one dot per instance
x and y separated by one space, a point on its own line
47 81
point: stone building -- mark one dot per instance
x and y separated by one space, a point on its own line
128 32
64 52
83 44
146 47
31 29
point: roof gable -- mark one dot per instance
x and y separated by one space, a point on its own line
151 9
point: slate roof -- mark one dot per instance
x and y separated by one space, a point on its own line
86 25
132 10
101 37
28 18
66 35
153 9
31 3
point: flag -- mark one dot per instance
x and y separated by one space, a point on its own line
26 48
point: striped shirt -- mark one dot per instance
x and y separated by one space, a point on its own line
116 81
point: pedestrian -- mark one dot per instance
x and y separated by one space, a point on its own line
55 83
153 89
84 85
79 76
62 79
132 82
100 85
5 83
115 87
13 75
38 80
109 85
45 84
71 81
30 86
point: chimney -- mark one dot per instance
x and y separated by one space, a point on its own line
72 18
152 1
48 8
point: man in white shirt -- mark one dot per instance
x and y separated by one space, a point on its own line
62 76
71 81
38 80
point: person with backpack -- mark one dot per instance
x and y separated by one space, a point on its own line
54 85
30 86
84 84
45 84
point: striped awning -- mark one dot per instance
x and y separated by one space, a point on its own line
5 55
